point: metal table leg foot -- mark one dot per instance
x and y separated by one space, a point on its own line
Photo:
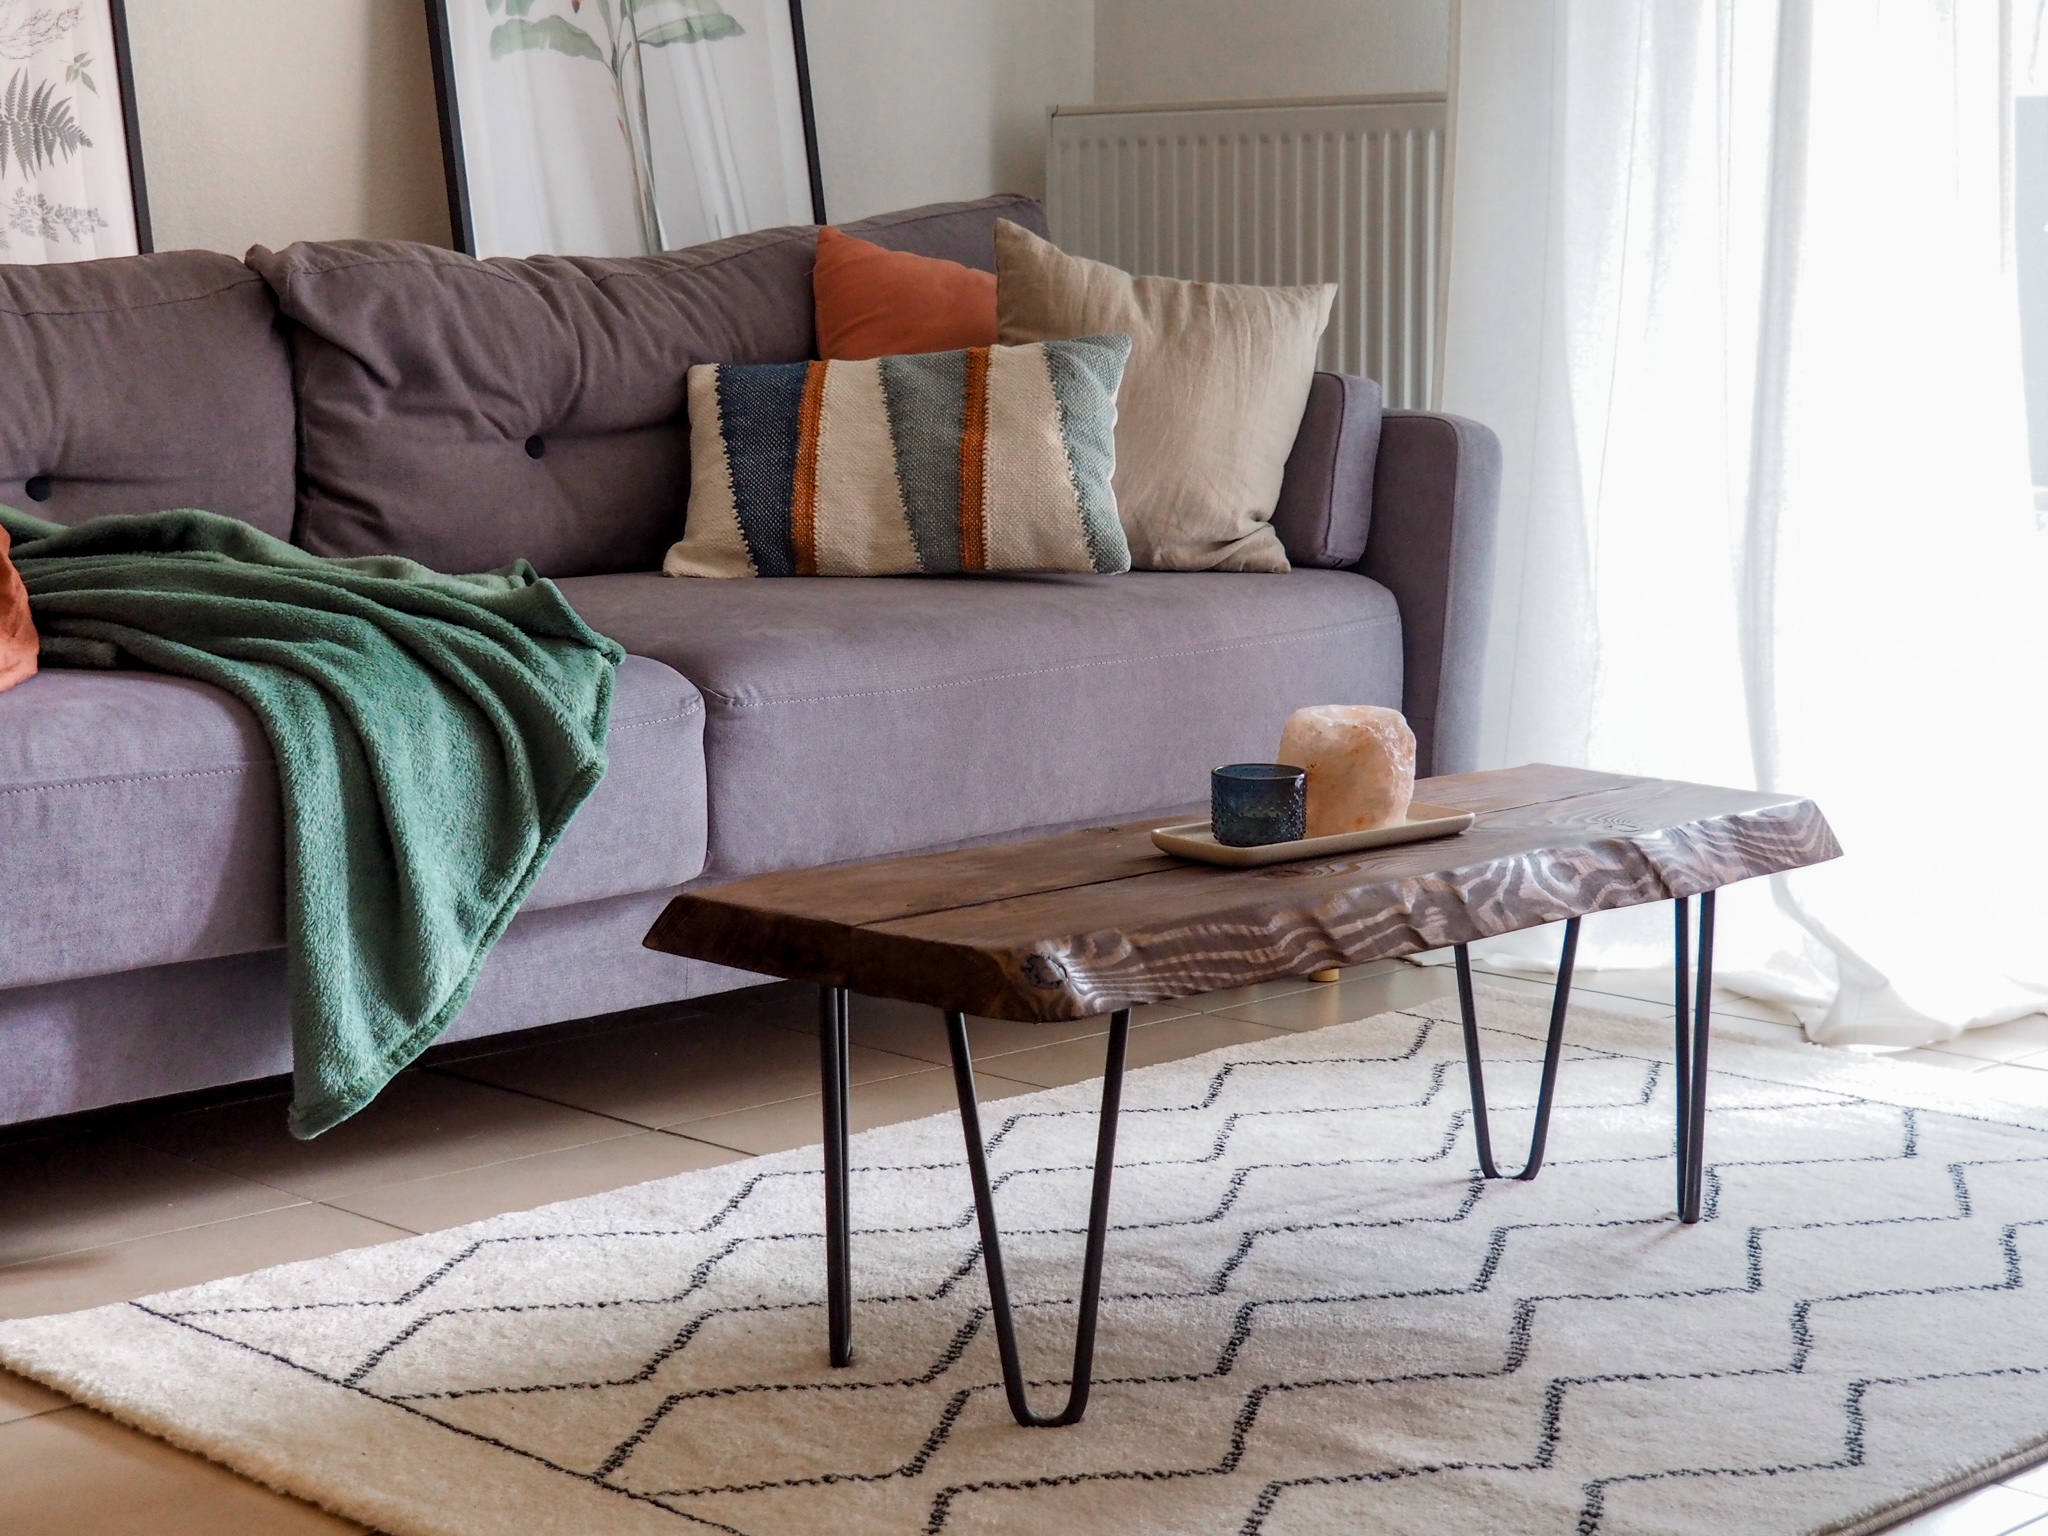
991 1236
833 1058
1559 1001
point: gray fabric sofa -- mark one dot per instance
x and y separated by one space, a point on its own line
368 397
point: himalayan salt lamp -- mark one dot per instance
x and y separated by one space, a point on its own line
1360 761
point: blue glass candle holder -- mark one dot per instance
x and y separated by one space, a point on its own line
1252 804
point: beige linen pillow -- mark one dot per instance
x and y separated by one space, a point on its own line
1211 398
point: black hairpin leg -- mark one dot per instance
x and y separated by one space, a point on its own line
992 1240
833 1057
1681 1054
1692 1079
1559 1001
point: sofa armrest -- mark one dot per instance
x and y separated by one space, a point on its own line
1325 506
1435 502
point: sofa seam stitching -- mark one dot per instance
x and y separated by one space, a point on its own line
240 768
483 265
125 309
634 725
135 778
1072 666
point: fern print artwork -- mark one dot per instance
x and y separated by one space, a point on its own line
624 127
64 178
36 126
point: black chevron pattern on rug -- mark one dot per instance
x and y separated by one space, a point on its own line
1208 1157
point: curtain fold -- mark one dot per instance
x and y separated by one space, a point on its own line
1733 281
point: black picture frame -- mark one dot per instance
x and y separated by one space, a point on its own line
131 125
461 223
461 229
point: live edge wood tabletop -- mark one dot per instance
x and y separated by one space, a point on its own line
1082 923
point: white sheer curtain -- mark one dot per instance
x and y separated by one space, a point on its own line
1733 283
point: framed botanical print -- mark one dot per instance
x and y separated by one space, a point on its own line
71 183
622 127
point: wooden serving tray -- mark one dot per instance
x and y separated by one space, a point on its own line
1193 840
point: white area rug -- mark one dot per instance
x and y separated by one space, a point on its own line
1316 1318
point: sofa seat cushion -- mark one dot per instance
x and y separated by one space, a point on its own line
139 818
861 716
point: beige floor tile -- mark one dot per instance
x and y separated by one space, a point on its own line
1342 1002
687 1070
572 1029
1931 1056
1232 997
57 1196
94 1277
1992 1511
1655 986
1654 1011
1370 968
423 1123
451 1199
1647 986
797 1122
75 1473
790 1004
1655 1014
21 1398
1074 1061
1537 988
1761 1031
2018 1040
2034 1480
912 1029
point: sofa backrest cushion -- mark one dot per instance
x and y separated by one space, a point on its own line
466 413
141 383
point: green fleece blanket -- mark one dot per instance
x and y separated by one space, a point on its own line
433 734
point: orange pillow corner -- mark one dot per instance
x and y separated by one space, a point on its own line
18 643
875 302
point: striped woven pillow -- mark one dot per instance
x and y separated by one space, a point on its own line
988 459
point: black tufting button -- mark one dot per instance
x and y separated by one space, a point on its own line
38 488
536 445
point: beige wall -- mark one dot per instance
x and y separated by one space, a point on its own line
268 121
1231 50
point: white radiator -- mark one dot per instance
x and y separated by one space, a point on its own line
1347 191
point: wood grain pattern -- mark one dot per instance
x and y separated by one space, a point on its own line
1071 926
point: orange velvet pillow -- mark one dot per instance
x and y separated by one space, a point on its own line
873 302
17 634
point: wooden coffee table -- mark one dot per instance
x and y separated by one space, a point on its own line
1094 922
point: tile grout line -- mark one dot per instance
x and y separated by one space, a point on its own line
297 1202
40 1413
638 1125
299 1198
526 1157
359 1216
